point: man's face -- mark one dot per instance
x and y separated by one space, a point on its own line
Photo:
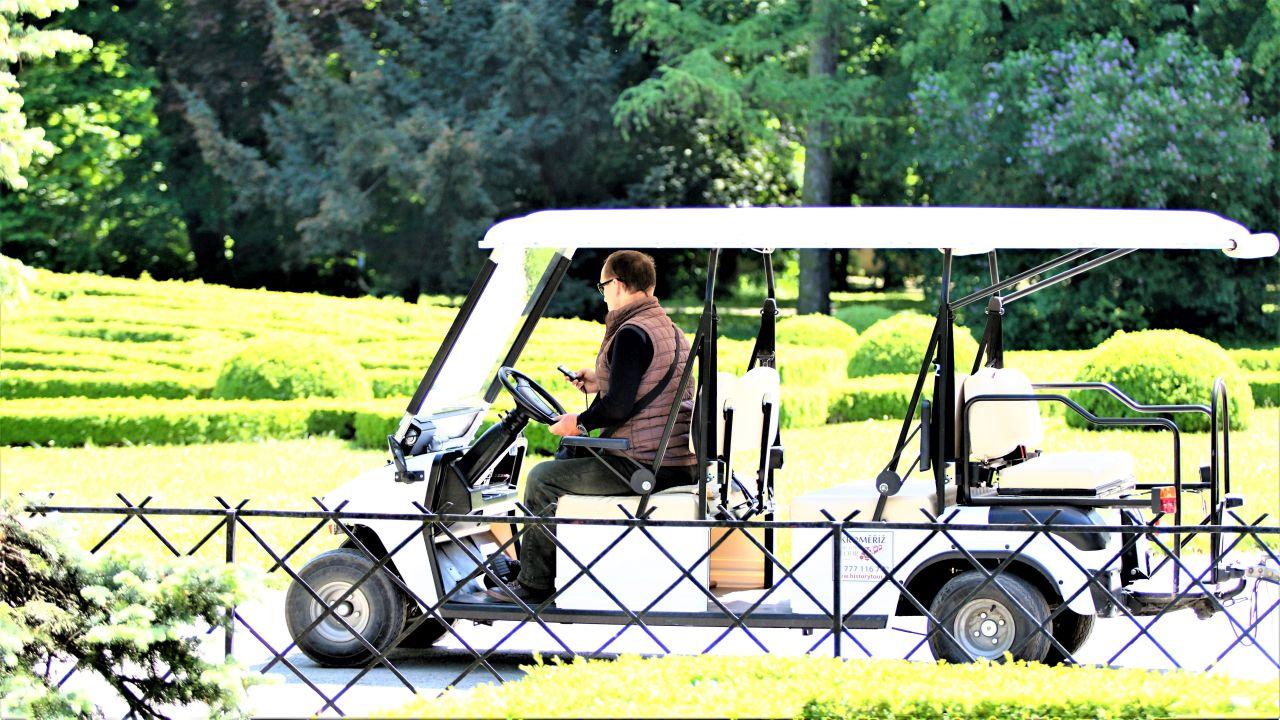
612 289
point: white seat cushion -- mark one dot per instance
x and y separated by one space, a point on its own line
678 503
1075 472
915 495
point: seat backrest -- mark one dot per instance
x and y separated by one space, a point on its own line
998 428
750 393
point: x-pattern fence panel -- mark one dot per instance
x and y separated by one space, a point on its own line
1188 584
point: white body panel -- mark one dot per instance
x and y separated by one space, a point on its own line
635 570
860 575
377 491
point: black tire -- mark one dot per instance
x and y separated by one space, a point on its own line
988 616
1072 630
377 609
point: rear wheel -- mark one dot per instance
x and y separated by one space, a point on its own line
1072 630
989 624
375 609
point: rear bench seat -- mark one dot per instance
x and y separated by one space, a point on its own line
998 429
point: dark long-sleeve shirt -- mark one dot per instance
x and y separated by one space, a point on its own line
629 358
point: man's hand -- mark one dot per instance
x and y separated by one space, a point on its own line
587 381
566 426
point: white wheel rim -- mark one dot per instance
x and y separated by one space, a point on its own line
984 628
354 610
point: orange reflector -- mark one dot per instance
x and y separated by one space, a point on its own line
1164 500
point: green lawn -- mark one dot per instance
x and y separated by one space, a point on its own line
285 474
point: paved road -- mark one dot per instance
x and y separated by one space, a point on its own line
1192 643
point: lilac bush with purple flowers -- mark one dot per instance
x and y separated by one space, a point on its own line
1100 123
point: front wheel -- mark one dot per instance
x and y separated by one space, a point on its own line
376 609
989 624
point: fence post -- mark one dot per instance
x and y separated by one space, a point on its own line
837 610
229 634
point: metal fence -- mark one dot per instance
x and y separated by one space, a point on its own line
833 629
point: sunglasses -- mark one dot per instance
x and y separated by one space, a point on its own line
600 285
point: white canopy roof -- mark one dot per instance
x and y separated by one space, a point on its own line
964 230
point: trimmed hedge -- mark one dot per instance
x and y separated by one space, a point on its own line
804 406
809 367
1268 359
819 687
877 397
143 382
817 331
1161 367
280 369
863 315
73 422
1265 388
897 345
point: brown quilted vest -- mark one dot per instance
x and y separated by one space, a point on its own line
644 429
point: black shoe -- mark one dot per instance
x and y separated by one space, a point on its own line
530 595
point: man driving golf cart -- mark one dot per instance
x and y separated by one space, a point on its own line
642 351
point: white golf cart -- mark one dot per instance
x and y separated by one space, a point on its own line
978 435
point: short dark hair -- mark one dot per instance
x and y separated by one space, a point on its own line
633 268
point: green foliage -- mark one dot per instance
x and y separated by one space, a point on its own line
1162 367
1265 388
810 366
804 406
131 421
1095 121
878 397
426 115
101 203
15 279
141 382
817 331
288 369
897 345
809 686
23 38
1257 359
125 620
861 316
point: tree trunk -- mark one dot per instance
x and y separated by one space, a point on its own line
815 265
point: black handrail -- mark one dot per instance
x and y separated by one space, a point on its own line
1092 419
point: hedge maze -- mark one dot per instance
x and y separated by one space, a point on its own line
89 359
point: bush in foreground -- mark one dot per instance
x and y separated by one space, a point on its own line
897 345
129 623
289 370
813 687
1162 367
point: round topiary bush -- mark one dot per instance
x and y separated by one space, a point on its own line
817 331
277 369
897 344
1162 367
861 316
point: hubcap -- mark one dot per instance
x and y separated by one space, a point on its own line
354 610
984 628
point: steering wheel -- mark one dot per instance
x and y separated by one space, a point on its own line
531 398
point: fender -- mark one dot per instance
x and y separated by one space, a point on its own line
1032 570
376 491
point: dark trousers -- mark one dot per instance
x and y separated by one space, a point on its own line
553 479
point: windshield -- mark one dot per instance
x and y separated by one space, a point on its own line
481 345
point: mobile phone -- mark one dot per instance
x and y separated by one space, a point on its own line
567 372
